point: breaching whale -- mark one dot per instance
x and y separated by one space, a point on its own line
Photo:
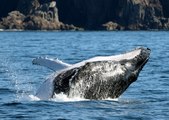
96 78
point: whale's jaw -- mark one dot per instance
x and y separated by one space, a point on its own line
102 79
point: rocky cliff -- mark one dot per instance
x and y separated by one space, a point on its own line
87 14
32 15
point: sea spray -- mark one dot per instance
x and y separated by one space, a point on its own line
16 79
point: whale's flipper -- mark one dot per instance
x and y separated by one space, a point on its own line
53 64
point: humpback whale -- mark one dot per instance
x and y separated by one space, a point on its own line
96 78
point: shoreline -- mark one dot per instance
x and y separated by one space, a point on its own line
19 30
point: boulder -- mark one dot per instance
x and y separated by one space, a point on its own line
34 17
14 20
112 26
70 27
49 11
165 23
44 17
1 26
39 23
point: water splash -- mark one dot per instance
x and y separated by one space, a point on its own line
64 98
61 98
56 98
32 98
16 79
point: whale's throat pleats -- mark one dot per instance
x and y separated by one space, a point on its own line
103 78
96 80
62 81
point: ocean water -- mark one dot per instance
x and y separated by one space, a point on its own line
145 99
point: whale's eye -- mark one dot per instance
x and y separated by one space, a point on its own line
123 62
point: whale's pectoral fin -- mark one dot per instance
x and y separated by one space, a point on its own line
53 64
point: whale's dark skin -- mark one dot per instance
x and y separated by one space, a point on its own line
101 79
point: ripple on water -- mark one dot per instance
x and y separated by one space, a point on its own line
147 98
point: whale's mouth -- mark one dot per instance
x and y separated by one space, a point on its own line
142 59
140 67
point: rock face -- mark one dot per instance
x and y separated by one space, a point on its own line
87 14
42 17
140 14
112 26
14 20
27 6
31 15
165 5
129 14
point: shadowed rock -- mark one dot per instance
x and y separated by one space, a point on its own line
27 6
14 20
130 14
91 14
32 15
112 26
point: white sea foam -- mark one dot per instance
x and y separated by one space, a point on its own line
33 98
64 98
112 99
57 98
11 30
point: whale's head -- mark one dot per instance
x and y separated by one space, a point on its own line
131 63
102 78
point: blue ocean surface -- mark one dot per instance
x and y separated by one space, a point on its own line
145 99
